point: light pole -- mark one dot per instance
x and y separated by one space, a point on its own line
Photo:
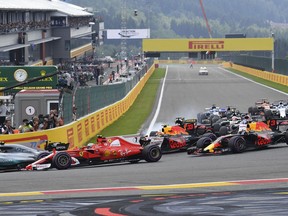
273 54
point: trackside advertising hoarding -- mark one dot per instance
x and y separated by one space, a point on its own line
14 75
81 131
215 44
128 33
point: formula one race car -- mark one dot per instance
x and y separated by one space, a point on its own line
260 106
278 109
17 156
258 135
178 137
106 150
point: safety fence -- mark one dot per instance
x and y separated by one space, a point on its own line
79 132
277 78
88 99
187 61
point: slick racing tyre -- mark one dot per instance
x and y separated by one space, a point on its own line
286 137
223 131
203 142
216 127
62 160
268 114
237 144
42 155
152 153
212 136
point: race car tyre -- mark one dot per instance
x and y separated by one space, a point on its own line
62 160
255 111
42 155
215 119
200 130
250 110
212 136
152 153
237 144
202 117
153 133
268 114
216 127
203 142
286 137
223 131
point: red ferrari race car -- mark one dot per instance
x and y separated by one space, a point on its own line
258 135
106 150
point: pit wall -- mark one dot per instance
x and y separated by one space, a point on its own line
277 78
81 131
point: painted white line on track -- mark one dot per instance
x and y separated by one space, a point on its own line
254 81
159 104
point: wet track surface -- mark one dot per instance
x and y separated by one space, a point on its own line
106 189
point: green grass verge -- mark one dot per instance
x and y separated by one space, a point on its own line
131 121
262 81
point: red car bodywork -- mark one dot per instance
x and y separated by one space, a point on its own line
113 149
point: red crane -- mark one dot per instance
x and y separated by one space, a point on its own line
205 17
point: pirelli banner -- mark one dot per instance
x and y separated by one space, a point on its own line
207 44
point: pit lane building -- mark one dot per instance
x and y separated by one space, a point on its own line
44 32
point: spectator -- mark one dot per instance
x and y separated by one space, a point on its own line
45 124
7 128
53 119
113 75
110 78
36 124
3 112
74 114
25 127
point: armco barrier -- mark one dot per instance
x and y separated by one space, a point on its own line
277 78
188 61
81 131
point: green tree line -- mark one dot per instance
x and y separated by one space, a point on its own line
184 18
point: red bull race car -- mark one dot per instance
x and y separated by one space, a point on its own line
106 150
257 135
178 137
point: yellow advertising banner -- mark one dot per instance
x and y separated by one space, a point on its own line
207 44
81 131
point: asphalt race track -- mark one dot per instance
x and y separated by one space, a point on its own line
251 183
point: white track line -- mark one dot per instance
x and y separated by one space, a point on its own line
159 104
254 81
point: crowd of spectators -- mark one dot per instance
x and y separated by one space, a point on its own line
36 123
12 27
83 71
79 21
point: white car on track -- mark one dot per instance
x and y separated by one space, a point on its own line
203 71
